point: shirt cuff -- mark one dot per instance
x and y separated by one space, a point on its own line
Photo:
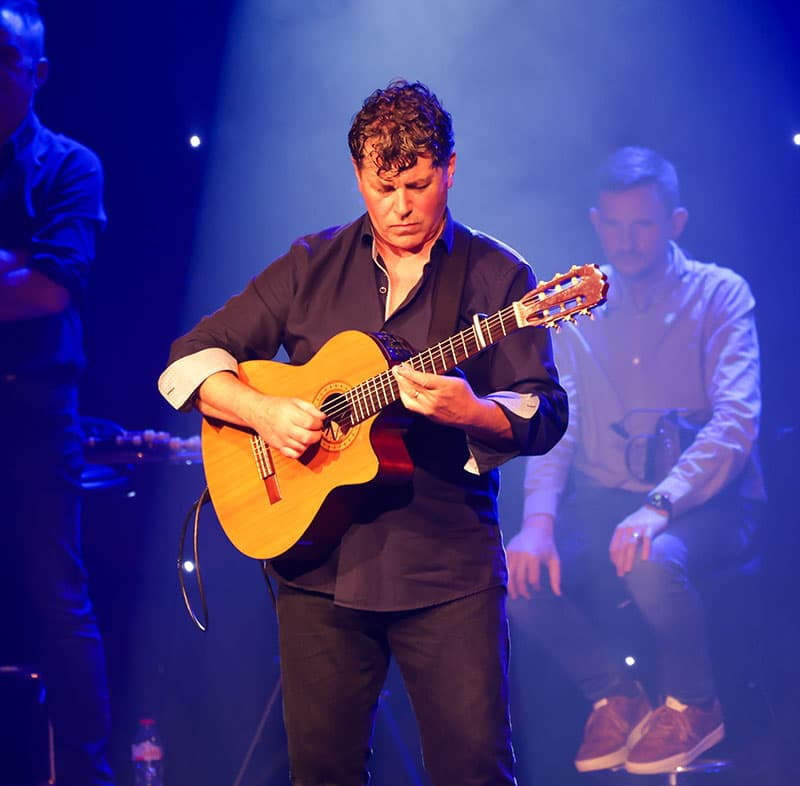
482 458
541 501
180 380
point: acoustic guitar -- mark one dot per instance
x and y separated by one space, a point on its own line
271 505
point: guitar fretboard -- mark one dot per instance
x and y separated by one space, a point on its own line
557 300
374 394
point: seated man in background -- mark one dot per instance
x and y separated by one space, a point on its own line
673 356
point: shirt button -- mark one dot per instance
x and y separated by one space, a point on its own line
382 290
636 361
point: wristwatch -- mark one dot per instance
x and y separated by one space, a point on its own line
660 501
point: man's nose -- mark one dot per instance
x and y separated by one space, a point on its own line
629 238
401 202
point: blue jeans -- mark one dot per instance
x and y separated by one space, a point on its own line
708 538
454 662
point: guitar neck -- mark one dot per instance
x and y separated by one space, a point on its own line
376 393
576 292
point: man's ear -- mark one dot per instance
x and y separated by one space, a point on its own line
40 72
357 170
451 169
679 218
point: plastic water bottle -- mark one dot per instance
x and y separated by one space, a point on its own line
147 755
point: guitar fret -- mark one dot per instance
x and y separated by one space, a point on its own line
374 397
382 389
367 401
394 388
453 351
386 385
463 336
359 403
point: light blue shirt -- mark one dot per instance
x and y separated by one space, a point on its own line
692 345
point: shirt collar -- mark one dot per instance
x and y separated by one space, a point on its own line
24 135
445 238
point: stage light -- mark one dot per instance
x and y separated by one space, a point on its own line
188 566
796 139
195 140
630 660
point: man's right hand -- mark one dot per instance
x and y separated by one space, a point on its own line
290 425
527 552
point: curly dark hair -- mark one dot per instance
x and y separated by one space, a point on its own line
403 122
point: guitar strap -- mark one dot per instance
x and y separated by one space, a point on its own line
448 286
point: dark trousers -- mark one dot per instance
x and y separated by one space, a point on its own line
45 588
707 538
454 662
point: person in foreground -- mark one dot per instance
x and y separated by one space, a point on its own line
50 212
419 574
672 355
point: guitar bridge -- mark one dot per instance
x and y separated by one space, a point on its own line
266 468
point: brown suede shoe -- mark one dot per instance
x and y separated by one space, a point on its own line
677 734
613 728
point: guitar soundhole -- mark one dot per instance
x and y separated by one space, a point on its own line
339 430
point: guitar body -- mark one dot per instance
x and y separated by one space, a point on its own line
270 505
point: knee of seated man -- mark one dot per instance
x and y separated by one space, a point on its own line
668 550
527 617
665 567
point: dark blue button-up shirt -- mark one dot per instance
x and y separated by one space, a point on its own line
51 205
435 537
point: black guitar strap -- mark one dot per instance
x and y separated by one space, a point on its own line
448 287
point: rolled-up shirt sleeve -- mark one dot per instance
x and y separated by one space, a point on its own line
180 380
517 406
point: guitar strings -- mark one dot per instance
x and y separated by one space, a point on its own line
366 396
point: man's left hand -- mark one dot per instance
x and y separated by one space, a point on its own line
633 532
448 400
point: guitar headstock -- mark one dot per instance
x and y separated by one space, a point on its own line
564 296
